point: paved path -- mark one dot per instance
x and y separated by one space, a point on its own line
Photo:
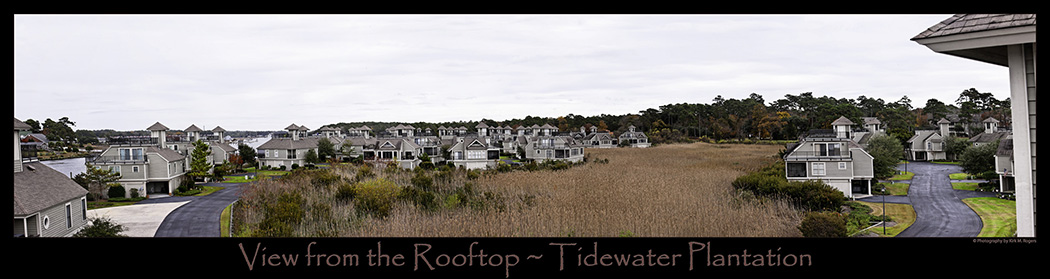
139 220
939 209
197 216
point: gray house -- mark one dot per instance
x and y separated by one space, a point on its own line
46 202
634 138
287 151
1006 40
146 164
474 152
833 158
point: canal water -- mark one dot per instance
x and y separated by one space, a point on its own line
69 167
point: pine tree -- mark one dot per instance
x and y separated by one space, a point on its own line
199 166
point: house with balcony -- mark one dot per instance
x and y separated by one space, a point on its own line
286 151
830 156
148 164
545 144
474 152
395 149
594 138
634 138
47 203
928 145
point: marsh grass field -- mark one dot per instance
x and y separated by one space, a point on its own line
676 190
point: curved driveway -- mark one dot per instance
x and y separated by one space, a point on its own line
200 216
939 209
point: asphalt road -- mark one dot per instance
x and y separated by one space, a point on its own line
200 216
939 209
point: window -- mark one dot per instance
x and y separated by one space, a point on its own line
842 165
135 169
115 169
476 154
818 168
130 153
834 149
796 169
83 208
69 216
821 149
291 154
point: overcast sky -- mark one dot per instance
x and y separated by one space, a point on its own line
264 72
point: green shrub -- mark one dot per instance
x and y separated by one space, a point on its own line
422 199
823 224
365 171
375 196
116 191
472 175
134 193
422 181
282 216
101 227
345 192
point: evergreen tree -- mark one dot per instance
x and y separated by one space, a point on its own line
199 166
887 152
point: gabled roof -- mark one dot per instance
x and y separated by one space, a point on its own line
193 128
218 129
286 143
1006 147
988 137
157 127
943 121
292 127
871 120
165 153
21 126
842 120
969 23
990 120
38 187
481 125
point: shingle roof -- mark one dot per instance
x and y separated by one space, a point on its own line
1006 147
218 129
157 127
968 23
842 121
991 120
19 125
193 128
481 125
38 187
988 137
285 143
165 153
292 127
871 120
944 121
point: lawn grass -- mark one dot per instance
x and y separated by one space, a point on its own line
968 186
998 215
902 214
896 189
907 175
104 204
224 221
958 176
239 178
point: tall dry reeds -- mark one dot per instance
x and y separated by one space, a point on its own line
679 190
